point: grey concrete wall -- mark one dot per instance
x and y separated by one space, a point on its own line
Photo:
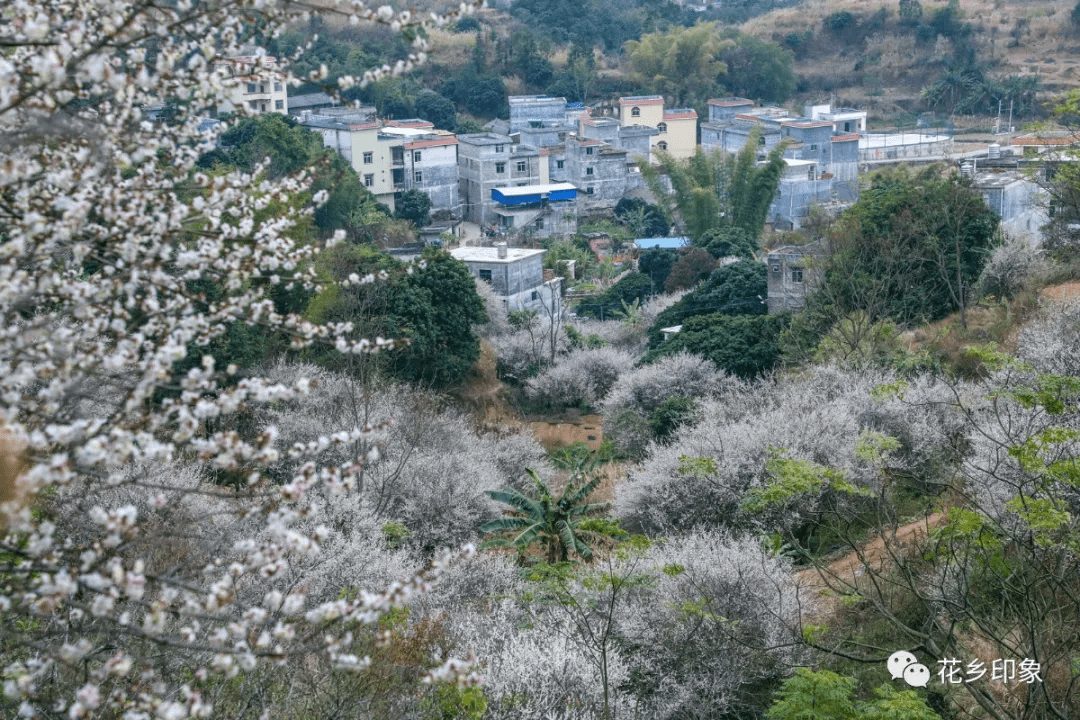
477 172
784 293
524 110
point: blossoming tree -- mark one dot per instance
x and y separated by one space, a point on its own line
115 600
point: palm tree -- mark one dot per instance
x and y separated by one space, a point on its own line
545 519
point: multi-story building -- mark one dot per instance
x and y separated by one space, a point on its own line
487 161
822 164
255 84
676 128
635 139
603 174
394 157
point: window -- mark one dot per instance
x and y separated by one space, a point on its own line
369 157
262 87
588 171
588 191
635 112
588 151
662 145
776 268
662 127
535 295
418 177
277 87
416 156
279 104
499 148
559 164
761 140
369 180
847 127
251 87
796 275
253 104
521 166
539 226
485 275
813 147
500 168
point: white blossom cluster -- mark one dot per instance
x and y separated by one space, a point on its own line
700 479
105 227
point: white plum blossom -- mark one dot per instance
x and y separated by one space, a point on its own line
116 536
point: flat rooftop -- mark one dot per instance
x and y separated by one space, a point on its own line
877 140
491 255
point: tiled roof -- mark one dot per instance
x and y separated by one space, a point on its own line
680 115
413 123
751 118
845 138
435 142
1045 140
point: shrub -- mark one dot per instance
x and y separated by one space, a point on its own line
702 477
1011 269
583 378
1051 342
839 21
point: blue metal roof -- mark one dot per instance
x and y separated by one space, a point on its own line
664 243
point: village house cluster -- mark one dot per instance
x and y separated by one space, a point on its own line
553 162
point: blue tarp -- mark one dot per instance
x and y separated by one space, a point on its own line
665 243
562 194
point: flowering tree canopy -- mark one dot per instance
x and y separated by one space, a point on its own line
109 233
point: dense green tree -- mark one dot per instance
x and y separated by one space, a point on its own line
694 266
467 24
809 695
643 219
554 522
911 249
656 264
434 308
414 206
729 241
634 287
681 63
437 110
743 345
910 10
291 147
736 289
758 69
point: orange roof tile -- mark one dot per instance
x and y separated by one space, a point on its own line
845 138
435 142
680 116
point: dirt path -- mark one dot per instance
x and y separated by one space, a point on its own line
1063 291
822 588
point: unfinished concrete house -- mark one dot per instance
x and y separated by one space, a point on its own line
487 161
794 271
516 275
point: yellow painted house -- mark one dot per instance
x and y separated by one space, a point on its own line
677 126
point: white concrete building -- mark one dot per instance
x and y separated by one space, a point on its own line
516 275
255 84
